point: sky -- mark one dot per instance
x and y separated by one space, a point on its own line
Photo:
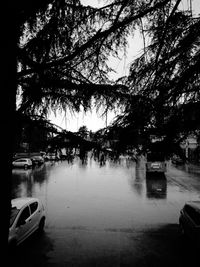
92 120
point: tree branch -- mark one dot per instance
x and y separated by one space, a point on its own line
100 34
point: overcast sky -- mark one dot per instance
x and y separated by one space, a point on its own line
92 120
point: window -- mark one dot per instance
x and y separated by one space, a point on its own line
33 207
194 214
155 156
21 160
24 215
13 215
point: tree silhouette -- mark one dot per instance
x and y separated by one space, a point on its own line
165 82
83 132
64 50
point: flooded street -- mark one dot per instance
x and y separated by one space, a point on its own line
107 215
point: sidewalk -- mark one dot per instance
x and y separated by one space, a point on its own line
192 168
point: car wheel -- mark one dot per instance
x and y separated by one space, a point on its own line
41 225
25 166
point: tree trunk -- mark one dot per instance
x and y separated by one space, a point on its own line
7 115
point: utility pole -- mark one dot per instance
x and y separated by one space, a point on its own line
190 6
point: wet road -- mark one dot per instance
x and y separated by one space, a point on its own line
107 215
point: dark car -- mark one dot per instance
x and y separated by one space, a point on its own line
155 163
37 160
189 220
177 160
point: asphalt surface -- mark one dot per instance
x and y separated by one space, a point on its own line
108 215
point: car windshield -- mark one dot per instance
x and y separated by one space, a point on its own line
155 156
14 212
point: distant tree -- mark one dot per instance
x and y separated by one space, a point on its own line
83 132
31 126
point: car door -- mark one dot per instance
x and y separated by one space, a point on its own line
17 163
35 215
23 224
20 163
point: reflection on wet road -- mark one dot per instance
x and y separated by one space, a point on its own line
102 213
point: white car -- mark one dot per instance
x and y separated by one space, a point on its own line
27 216
22 162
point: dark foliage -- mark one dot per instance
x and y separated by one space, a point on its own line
165 82
64 49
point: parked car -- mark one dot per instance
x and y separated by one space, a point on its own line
189 220
177 160
37 160
27 216
51 156
22 162
155 163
